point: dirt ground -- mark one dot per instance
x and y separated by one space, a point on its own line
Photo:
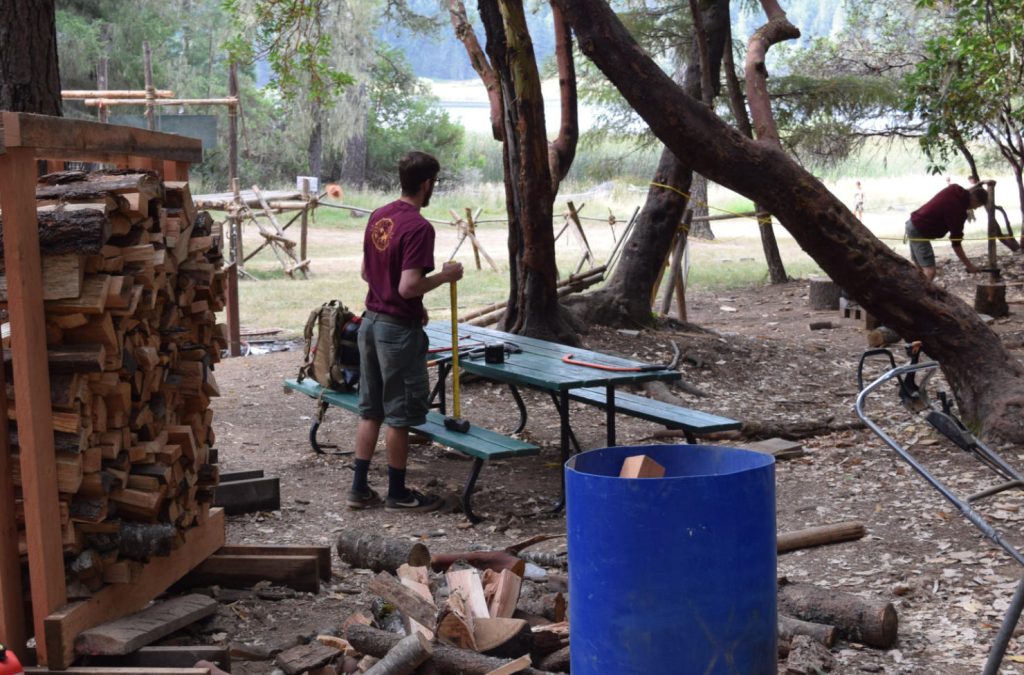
760 364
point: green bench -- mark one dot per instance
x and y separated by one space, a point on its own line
480 444
690 422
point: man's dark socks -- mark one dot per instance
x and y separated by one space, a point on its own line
396 483
360 481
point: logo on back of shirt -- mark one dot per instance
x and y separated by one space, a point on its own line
380 233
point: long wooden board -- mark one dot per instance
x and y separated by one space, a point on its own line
244 571
125 635
62 138
112 602
321 553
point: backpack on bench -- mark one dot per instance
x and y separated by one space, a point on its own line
333 358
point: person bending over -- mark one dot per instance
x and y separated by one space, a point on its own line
944 213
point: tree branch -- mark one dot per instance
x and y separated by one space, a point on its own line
477 59
776 30
562 151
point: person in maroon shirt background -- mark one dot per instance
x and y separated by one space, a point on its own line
398 256
945 212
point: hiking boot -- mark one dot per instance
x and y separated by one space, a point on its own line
362 499
414 501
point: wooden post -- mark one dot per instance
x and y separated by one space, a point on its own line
993 228
147 62
471 230
305 219
32 385
101 84
231 307
233 129
12 606
239 253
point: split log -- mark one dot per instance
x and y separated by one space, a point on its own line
467 583
404 657
870 622
506 594
484 560
78 231
513 667
406 600
557 662
551 606
823 293
506 638
822 534
448 659
380 554
142 541
808 657
789 627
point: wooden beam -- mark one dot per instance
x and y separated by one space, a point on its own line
31 381
12 615
231 307
100 670
64 138
321 553
94 102
243 571
75 94
114 601
184 656
127 634
246 496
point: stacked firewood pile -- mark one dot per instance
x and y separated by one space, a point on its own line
132 278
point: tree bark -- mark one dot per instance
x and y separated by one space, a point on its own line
29 74
626 298
987 379
378 553
464 32
533 308
562 150
316 141
870 622
62 232
405 657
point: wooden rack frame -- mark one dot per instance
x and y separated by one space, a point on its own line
25 139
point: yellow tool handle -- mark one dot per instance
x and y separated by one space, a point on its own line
456 408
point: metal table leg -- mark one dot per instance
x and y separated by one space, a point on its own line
610 414
521 405
562 403
467 492
321 411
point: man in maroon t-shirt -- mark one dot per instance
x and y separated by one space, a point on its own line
945 212
398 255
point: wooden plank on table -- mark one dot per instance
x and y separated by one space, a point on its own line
321 553
31 377
243 571
75 138
125 635
246 496
111 602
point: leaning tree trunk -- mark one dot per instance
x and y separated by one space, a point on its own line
701 229
29 77
533 308
626 298
987 379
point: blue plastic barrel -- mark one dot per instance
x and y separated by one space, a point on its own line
675 574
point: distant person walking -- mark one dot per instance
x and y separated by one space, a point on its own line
858 202
946 212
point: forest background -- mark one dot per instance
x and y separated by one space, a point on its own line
844 95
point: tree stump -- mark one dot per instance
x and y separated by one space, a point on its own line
823 293
990 299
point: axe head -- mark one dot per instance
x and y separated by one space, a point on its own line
456 424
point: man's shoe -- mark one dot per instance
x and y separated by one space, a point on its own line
414 501
362 499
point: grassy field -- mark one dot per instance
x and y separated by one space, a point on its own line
734 258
